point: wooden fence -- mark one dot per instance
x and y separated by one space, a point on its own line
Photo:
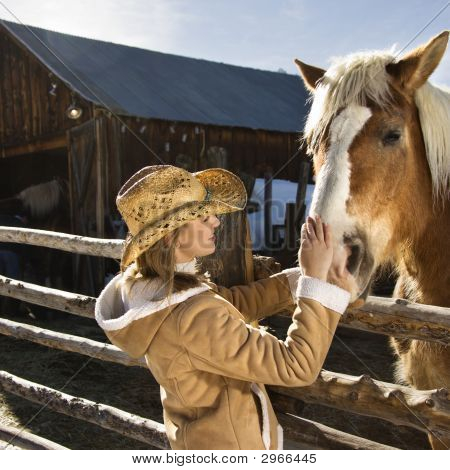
425 410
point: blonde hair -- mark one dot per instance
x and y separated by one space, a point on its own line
158 262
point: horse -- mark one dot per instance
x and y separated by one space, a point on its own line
379 135
37 202
44 206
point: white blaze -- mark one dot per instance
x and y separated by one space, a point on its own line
333 183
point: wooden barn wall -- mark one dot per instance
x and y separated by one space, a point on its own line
27 110
134 142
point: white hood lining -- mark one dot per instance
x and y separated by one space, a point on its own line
110 299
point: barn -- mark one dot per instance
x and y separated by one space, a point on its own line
93 112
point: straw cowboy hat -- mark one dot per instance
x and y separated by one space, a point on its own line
160 198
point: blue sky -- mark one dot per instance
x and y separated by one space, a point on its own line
265 34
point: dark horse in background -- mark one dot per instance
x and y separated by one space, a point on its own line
42 206
379 133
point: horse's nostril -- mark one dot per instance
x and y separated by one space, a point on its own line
352 261
355 249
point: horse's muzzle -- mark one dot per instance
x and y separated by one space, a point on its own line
360 263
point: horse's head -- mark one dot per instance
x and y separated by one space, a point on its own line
376 167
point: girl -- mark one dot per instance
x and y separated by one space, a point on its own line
211 365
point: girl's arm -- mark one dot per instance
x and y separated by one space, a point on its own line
220 343
260 299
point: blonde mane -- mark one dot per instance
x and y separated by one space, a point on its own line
433 104
362 77
41 199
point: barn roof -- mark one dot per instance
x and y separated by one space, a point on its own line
149 84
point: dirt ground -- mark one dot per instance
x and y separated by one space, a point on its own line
134 390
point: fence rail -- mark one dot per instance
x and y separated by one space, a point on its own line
12 438
107 248
108 417
392 317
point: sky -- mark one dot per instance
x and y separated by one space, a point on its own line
264 34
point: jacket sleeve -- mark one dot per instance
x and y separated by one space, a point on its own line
219 343
260 299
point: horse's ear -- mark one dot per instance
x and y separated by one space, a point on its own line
310 74
413 70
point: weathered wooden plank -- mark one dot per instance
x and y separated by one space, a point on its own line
268 236
396 317
70 343
108 417
56 141
400 318
12 438
51 102
8 94
2 92
425 410
101 176
35 109
300 204
25 99
108 248
17 104
47 297
318 436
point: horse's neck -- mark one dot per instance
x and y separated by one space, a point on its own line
425 266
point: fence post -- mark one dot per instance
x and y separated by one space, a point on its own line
267 211
301 196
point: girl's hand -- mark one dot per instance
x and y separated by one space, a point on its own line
316 249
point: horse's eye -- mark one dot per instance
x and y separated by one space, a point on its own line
391 137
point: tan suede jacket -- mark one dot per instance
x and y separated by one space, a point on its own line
211 365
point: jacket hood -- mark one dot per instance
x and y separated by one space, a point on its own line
132 317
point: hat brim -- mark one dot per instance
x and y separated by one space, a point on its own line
226 193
